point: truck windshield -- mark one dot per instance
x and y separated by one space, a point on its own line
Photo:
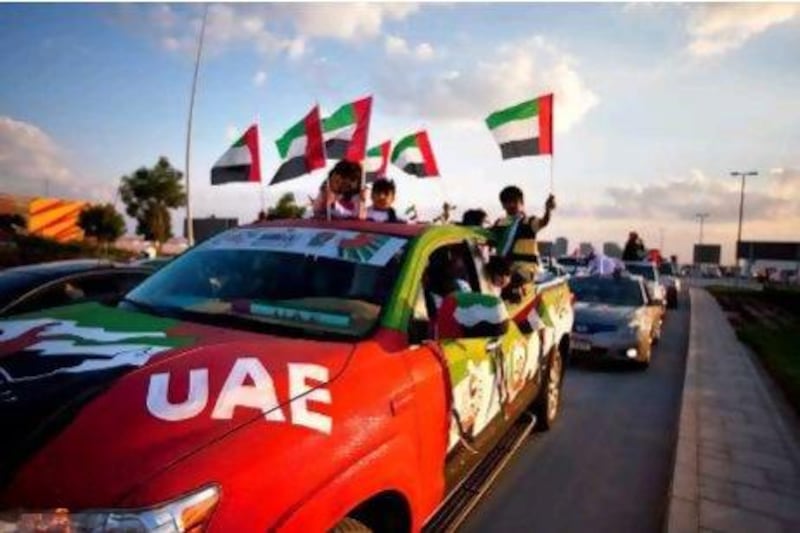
294 281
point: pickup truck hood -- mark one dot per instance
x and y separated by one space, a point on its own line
102 399
602 314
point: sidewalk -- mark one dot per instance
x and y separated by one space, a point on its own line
737 466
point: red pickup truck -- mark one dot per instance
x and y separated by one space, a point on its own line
295 375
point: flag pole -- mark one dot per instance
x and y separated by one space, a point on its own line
189 224
261 186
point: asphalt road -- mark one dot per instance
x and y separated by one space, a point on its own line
607 464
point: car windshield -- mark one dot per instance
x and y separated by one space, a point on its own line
646 271
307 282
15 283
611 291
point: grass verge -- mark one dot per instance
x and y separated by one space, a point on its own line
753 316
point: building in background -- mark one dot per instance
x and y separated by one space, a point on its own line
612 249
560 247
54 218
205 228
545 248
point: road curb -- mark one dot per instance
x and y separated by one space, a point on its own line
683 507
724 492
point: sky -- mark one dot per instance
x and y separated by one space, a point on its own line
655 104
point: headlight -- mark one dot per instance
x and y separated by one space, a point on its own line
189 513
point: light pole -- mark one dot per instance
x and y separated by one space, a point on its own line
741 208
702 217
189 225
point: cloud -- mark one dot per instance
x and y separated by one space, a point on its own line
27 154
785 182
260 78
272 29
32 163
508 74
778 198
354 21
398 47
718 28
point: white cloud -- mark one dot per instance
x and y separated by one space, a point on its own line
32 163
774 199
29 154
718 28
231 133
260 78
270 28
353 21
398 47
508 74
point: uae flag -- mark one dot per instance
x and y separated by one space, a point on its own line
240 162
524 129
413 154
301 148
376 162
345 131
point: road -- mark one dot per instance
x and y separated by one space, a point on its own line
607 464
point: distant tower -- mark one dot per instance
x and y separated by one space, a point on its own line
560 247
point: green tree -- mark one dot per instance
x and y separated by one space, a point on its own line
149 194
101 222
286 208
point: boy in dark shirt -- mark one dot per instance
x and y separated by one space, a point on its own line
381 210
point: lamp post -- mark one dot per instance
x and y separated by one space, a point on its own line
189 225
741 208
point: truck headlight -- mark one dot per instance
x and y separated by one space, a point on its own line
187 514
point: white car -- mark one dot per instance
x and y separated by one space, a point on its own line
649 272
668 275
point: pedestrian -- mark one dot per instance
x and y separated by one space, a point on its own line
474 217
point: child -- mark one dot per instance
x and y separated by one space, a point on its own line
381 210
517 233
341 193
498 270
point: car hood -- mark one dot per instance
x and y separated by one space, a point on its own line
603 314
101 399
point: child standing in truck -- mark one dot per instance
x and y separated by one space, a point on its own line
341 193
382 210
516 233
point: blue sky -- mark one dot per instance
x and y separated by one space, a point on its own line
655 103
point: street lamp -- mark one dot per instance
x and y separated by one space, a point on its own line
702 217
741 208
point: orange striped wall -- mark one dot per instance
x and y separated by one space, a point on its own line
55 218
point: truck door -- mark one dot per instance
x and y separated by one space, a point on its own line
485 370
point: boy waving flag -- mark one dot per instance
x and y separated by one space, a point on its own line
301 148
413 154
345 131
524 129
376 162
240 162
